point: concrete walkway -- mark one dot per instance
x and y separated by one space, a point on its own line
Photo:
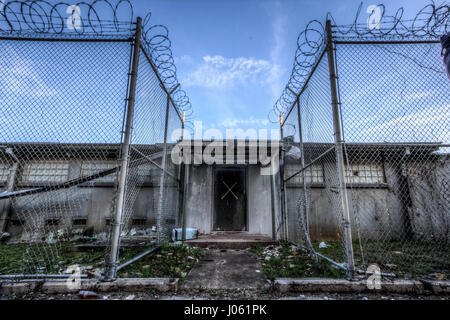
226 269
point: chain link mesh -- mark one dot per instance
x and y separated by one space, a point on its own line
62 117
399 172
314 208
393 99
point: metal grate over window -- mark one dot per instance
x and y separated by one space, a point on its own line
45 171
364 173
314 174
93 167
4 172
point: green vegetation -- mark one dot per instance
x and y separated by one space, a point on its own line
45 258
289 262
171 261
406 260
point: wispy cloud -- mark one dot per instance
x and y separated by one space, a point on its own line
419 95
20 77
222 72
427 125
250 122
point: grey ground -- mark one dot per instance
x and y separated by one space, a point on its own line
226 269
229 275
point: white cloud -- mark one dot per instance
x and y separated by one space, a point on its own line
19 77
419 95
236 123
221 72
427 125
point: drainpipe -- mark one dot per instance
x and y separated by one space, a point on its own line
185 186
274 190
282 184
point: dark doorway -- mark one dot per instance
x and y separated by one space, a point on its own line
230 199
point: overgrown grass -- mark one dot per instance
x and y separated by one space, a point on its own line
19 257
171 261
288 262
405 260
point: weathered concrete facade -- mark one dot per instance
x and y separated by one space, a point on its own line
403 196
87 206
413 197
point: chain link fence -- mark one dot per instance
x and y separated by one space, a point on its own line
65 113
387 123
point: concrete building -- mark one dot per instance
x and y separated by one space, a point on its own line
394 188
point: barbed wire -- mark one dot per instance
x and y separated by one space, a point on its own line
431 22
97 18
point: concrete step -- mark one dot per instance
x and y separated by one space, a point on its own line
231 240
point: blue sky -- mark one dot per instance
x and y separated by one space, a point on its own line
234 57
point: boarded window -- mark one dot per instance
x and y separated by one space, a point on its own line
51 222
139 222
314 174
79 222
45 171
364 173
94 167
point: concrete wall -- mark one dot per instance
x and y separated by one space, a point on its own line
380 211
93 202
429 184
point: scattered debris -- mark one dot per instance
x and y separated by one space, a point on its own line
88 295
322 245
5 236
130 297
438 276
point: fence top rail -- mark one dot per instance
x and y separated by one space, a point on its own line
61 38
385 41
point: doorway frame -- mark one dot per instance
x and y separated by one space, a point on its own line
213 194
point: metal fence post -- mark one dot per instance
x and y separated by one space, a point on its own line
163 170
163 165
305 193
282 183
113 260
346 222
